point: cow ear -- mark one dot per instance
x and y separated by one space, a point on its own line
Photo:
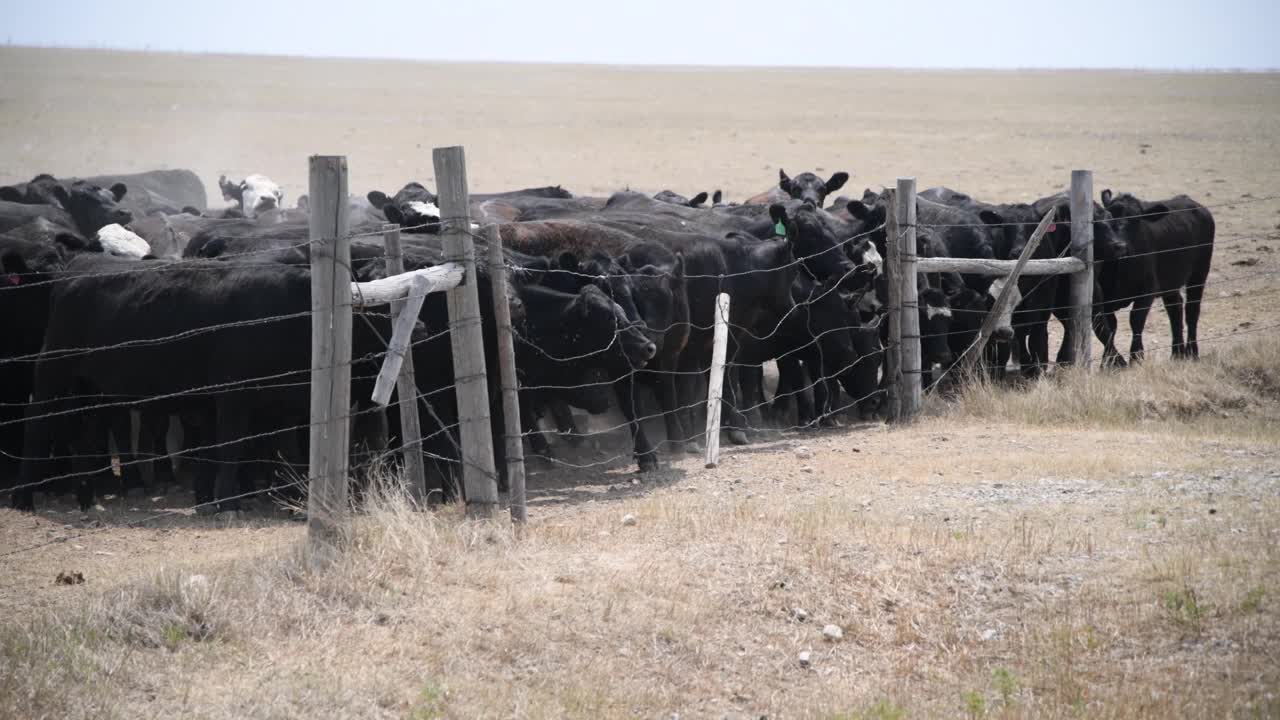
858 209
717 197
8 193
784 182
781 225
990 217
837 181
1106 197
228 190
393 213
377 198
304 202
1155 212
698 199
62 195
119 190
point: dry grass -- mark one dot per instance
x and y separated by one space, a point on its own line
1238 384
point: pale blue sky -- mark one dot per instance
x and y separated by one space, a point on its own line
1174 34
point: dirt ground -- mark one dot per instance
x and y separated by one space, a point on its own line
976 568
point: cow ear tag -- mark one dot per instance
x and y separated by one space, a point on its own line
779 229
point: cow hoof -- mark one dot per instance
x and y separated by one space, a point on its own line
737 437
206 510
647 463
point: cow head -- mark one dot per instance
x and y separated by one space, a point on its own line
810 188
254 194
674 198
872 215
823 255
93 208
661 302
414 208
601 326
935 327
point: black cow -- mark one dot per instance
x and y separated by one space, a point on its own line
1171 248
810 188
154 191
243 327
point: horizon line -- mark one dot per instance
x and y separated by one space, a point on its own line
148 50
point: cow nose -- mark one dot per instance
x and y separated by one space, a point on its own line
267 203
1003 334
650 350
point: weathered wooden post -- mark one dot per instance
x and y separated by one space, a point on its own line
893 273
905 210
507 364
330 359
715 387
406 384
479 478
1082 281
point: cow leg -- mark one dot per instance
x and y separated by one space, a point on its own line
538 444
1039 345
1104 327
120 428
731 418
668 400
646 455
566 426
232 425
1173 308
1195 291
1138 323
155 469
751 385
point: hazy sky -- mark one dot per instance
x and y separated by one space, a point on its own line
1183 34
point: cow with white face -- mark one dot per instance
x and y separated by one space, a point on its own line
414 208
254 194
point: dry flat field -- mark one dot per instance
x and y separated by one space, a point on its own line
1098 546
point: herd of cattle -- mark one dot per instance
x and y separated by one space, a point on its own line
129 306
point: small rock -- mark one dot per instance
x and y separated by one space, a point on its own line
604 533
381 619
1213 511
73 577
99 508
635 481
804 658
800 614
832 632
807 469
629 520
1246 262
989 634
803 452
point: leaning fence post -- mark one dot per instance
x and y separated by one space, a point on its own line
905 210
406 384
715 388
892 273
507 366
1082 282
479 479
330 358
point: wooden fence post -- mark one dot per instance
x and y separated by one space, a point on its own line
406 385
893 273
479 479
715 386
507 364
1082 249
905 210
330 359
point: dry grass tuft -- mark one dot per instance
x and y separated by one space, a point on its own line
1233 384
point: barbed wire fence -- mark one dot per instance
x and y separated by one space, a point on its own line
822 364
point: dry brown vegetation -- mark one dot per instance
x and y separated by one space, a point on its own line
985 562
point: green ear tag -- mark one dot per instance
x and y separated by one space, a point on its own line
779 229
